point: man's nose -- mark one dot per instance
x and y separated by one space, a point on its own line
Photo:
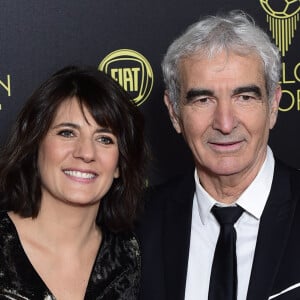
224 118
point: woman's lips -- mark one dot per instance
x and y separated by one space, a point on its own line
80 175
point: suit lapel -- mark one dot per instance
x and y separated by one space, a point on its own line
272 236
177 237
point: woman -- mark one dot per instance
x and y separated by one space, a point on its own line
71 176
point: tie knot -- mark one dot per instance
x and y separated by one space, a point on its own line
227 215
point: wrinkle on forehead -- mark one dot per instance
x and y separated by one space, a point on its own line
221 62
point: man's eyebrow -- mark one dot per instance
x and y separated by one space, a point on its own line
191 94
248 89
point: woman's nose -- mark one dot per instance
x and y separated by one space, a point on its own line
84 149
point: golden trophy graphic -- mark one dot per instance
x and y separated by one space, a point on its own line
282 16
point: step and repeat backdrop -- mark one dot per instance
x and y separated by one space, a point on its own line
127 39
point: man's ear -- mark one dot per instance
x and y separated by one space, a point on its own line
275 106
173 116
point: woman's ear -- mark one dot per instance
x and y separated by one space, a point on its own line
117 173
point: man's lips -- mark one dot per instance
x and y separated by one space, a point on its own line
225 143
227 146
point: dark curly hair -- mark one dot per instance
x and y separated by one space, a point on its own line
110 106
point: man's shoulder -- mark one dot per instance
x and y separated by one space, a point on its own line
180 183
289 173
286 185
177 189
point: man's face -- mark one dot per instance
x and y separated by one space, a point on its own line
224 113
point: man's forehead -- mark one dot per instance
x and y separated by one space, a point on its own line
199 72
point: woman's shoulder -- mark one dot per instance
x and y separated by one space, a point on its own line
116 271
8 234
5 223
123 243
120 250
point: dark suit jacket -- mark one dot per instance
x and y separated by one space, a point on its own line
164 233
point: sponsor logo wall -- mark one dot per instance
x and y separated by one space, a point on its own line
127 40
132 71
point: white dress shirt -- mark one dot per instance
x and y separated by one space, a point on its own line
205 231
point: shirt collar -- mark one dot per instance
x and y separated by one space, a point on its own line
252 200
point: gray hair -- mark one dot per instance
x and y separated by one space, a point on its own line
235 32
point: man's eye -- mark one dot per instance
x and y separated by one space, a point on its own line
245 97
66 133
202 100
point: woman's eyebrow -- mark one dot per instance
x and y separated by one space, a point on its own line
66 124
77 126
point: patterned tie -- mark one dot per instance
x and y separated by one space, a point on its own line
223 277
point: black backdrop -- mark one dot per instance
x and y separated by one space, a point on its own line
39 37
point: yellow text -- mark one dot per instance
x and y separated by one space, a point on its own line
128 78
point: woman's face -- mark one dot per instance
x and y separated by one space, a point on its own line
77 159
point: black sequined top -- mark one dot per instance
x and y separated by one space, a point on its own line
115 274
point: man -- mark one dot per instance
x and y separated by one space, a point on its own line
222 95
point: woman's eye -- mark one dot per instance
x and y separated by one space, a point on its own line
66 133
105 140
